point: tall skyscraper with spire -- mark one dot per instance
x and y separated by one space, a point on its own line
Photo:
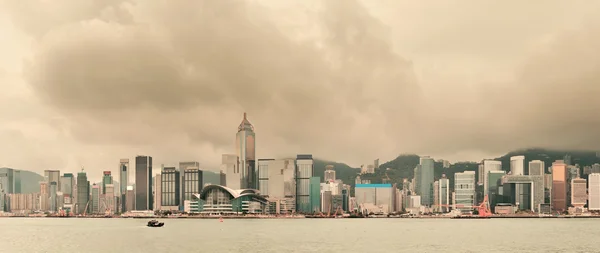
246 151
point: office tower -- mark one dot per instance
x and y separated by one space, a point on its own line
559 186
426 163
304 171
95 203
464 189
143 183
594 192
330 173
567 160
595 168
110 198
517 165
53 197
10 180
190 181
494 179
488 166
53 176
124 182
436 196
281 184
480 174
578 192
444 194
106 179
417 180
192 184
157 194
314 196
536 168
374 197
222 178
67 182
231 165
44 196
263 176
246 148
170 185
83 192
130 198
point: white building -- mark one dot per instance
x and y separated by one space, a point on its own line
578 192
329 173
594 192
517 165
464 189
230 164
536 168
376 198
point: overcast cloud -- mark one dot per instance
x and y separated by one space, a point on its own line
85 83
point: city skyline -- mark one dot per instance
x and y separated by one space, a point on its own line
411 85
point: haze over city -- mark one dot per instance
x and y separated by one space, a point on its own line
85 83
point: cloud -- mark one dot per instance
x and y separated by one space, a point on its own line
344 80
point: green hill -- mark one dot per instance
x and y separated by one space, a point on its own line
342 171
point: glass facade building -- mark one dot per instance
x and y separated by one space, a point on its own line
245 147
559 186
315 194
124 182
304 171
106 179
170 187
219 199
83 192
374 197
494 180
143 183
464 190
426 180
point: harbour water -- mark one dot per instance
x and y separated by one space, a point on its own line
55 235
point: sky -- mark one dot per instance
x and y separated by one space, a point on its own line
86 83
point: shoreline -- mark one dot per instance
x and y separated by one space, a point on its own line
302 217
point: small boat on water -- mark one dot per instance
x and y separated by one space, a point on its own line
155 223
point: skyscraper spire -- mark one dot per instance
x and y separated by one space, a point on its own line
245 125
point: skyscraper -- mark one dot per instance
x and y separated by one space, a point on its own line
594 192
578 192
230 164
559 186
170 188
143 183
444 194
83 192
109 198
190 181
53 176
124 182
304 171
330 173
536 168
426 178
517 165
489 166
106 179
246 151
464 189
95 203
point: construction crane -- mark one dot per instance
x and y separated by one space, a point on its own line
483 208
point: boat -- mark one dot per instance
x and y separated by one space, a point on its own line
155 223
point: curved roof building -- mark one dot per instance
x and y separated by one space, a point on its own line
220 199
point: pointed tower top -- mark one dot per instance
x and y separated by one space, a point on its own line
245 125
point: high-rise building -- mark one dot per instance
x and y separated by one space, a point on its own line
10 180
230 164
444 194
330 173
376 198
170 188
594 192
44 196
417 180
246 151
480 174
157 195
263 176
83 192
106 179
494 179
578 192
304 171
517 165
124 182
192 184
536 168
315 194
596 168
190 181
143 183
426 183
109 198
53 197
95 202
559 186
53 176
488 166
464 189
67 182
130 199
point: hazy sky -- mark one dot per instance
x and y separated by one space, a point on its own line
85 83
